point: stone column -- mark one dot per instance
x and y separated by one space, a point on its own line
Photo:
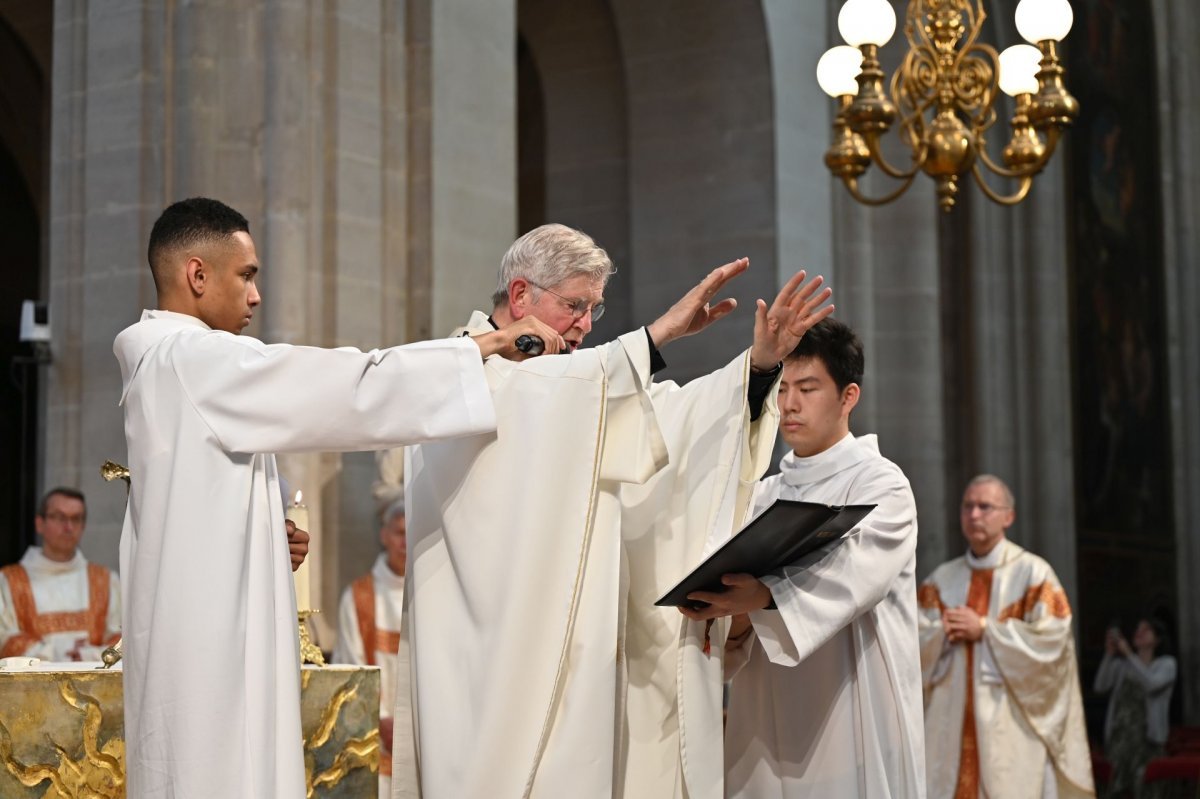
321 122
1018 364
1177 26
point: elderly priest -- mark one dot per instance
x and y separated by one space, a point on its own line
541 666
212 666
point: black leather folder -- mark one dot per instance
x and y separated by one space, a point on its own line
777 537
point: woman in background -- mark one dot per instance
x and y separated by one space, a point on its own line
1140 678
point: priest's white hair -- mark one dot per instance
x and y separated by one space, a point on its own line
392 511
548 255
1004 489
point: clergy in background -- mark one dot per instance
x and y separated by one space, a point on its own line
211 657
1003 711
826 693
369 622
54 605
541 666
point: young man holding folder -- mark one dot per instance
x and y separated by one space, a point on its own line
826 695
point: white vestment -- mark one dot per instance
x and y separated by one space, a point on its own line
826 693
1004 715
541 667
44 613
212 665
370 618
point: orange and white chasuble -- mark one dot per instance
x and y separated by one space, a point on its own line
47 606
1004 715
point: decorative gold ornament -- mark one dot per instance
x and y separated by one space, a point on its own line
945 94
309 651
111 470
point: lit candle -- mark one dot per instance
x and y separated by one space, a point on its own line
297 514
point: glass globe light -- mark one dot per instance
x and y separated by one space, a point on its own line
838 69
867 22
1019 66
1039 20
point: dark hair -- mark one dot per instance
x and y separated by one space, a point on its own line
1162 644
838 347
189 222
61 491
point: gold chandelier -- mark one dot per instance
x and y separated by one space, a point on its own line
945 92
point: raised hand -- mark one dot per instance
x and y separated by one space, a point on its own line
503 342
694 311
778 329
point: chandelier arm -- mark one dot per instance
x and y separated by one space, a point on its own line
852 187
986 114
977 20
1052 137
1002 199
872 140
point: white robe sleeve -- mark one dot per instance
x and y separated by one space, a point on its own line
349 648
827 590
634 450
278 398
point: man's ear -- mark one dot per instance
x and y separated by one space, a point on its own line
850 395
196 272
520 297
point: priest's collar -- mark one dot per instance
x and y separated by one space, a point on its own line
36 563
173 316
846 453
991 560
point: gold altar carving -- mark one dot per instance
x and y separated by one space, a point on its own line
62 733
309 651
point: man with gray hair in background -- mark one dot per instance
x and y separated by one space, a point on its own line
1003 709
540 664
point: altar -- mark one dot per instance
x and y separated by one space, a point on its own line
62 732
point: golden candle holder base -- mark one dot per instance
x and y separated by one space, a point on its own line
309 651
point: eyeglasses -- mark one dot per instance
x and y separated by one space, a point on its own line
61 518
579 306
983 507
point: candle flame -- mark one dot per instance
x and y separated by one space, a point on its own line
299 496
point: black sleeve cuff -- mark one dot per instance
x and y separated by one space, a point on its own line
657 364
758 389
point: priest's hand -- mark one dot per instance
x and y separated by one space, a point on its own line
694 311
297 544
962 624
743 593
778 329
503 342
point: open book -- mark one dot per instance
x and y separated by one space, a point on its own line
780 535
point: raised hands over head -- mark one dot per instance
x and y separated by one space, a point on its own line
695 310
779 328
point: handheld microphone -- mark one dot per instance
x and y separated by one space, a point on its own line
530 345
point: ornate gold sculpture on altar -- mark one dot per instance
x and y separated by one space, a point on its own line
111 470
945 91
62 733
309 651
